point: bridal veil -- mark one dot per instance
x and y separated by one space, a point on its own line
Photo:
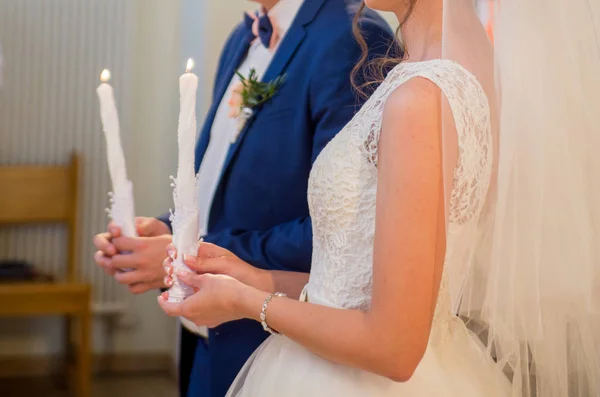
530 286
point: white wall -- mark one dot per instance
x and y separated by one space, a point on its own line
148 114
152 155
205 27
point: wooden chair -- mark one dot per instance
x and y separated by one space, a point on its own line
49 194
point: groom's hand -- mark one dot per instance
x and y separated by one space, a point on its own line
106 250
104 242
140 265
150 227
146 227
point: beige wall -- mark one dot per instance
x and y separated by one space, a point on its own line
152 125
215 30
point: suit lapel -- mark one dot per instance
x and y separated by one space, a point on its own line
239 53
238 57
281 60
293 38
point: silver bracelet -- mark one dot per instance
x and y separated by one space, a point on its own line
263 312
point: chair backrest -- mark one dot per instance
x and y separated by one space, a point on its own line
43 194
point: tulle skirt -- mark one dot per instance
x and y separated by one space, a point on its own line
458 366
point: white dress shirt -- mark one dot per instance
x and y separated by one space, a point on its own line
224 127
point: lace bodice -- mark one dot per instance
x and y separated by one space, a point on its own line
343 187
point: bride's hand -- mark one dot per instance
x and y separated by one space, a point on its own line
215 301
212 259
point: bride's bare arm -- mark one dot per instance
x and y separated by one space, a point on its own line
391 337
291 283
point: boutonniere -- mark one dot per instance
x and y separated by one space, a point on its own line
247 94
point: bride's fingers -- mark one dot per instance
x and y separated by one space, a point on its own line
168 280
171 251
209 250
210 265
191 279
193 263
168 266
190 261
172 309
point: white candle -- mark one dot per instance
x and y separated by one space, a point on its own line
186 134
185 218
122 196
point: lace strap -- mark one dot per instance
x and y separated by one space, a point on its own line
460 87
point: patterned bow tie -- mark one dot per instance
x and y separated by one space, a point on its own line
263 28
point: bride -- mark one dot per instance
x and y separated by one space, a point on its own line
401 203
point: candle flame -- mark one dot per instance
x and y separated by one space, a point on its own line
105 76
189 66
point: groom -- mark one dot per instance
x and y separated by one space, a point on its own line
253 174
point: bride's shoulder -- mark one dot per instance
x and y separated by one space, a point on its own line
429 68
412 87
416 92
449 76
412 94
409 106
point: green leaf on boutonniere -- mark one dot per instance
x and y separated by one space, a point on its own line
256 92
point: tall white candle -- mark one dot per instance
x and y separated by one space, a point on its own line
185 218
122 197
186 134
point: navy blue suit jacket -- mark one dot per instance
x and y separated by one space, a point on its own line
260 210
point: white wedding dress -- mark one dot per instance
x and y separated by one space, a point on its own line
342 198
